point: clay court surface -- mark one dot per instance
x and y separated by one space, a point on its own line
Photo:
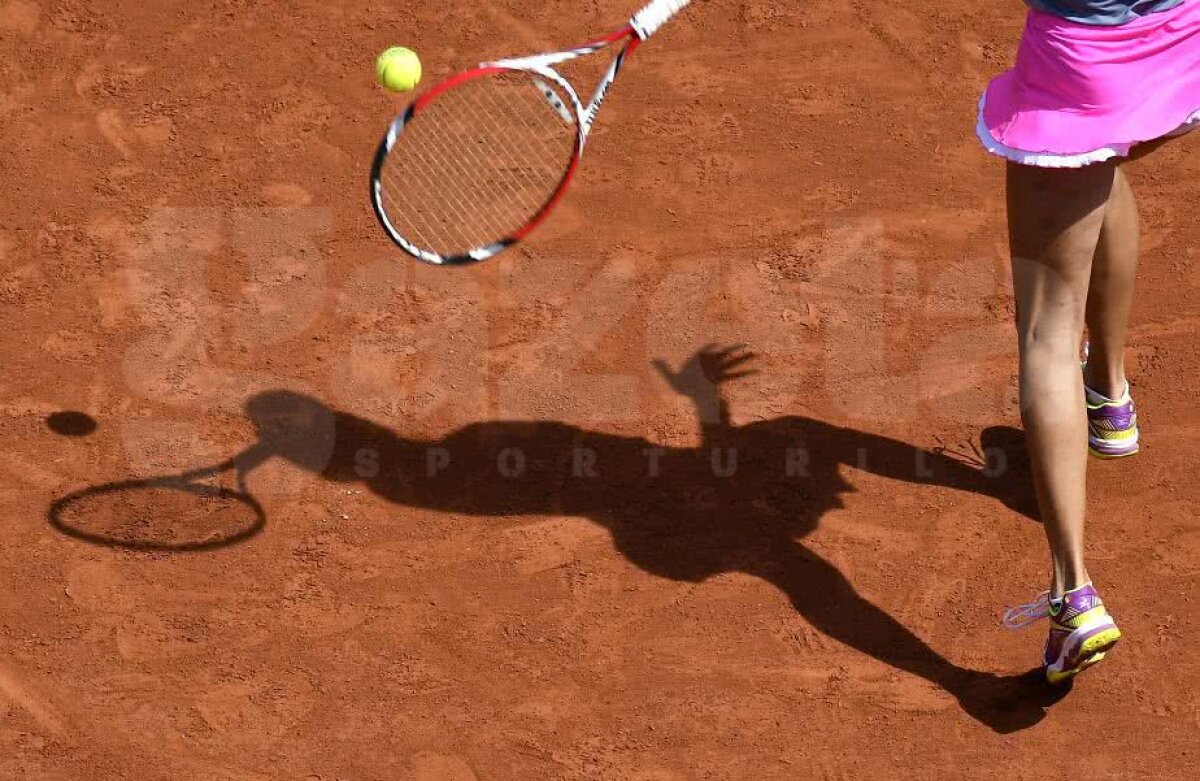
187 255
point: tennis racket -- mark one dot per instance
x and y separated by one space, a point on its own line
474 165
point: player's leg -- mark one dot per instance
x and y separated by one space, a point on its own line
1112 421
1056 219
1112 417
1110 294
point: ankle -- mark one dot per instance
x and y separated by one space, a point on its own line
1071 580
1109 383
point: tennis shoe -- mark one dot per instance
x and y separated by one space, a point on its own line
1112 425
1081 630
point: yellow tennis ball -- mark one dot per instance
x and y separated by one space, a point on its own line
398 69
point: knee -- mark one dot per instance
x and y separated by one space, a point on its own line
1049 346
1051 331
1050 316
1050 343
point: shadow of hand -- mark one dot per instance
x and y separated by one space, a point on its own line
708 369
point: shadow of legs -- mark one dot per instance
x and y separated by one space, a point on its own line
829 602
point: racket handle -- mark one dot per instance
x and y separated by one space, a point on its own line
647 21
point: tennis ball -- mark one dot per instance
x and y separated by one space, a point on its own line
398 69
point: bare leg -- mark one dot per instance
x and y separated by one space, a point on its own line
1055 219
1110 295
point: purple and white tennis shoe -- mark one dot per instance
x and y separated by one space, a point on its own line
1081 630
1112 425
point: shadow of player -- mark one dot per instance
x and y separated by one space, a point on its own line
740 502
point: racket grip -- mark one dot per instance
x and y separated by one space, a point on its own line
647 21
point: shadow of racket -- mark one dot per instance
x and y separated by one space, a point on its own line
172 513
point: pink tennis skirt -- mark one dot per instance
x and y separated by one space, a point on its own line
1082 94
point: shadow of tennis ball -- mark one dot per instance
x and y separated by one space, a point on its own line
71 424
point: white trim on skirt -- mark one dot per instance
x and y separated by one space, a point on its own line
1052 160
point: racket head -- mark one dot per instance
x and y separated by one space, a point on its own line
165 514
477 163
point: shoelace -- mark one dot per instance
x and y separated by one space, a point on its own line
1024 615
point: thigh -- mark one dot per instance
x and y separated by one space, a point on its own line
1055 217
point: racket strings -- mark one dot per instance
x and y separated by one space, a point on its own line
473 157
523 156
469 173
477 164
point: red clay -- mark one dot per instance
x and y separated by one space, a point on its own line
187 255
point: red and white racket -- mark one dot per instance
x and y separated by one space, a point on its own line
479 161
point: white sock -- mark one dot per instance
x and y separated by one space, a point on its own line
1097 398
